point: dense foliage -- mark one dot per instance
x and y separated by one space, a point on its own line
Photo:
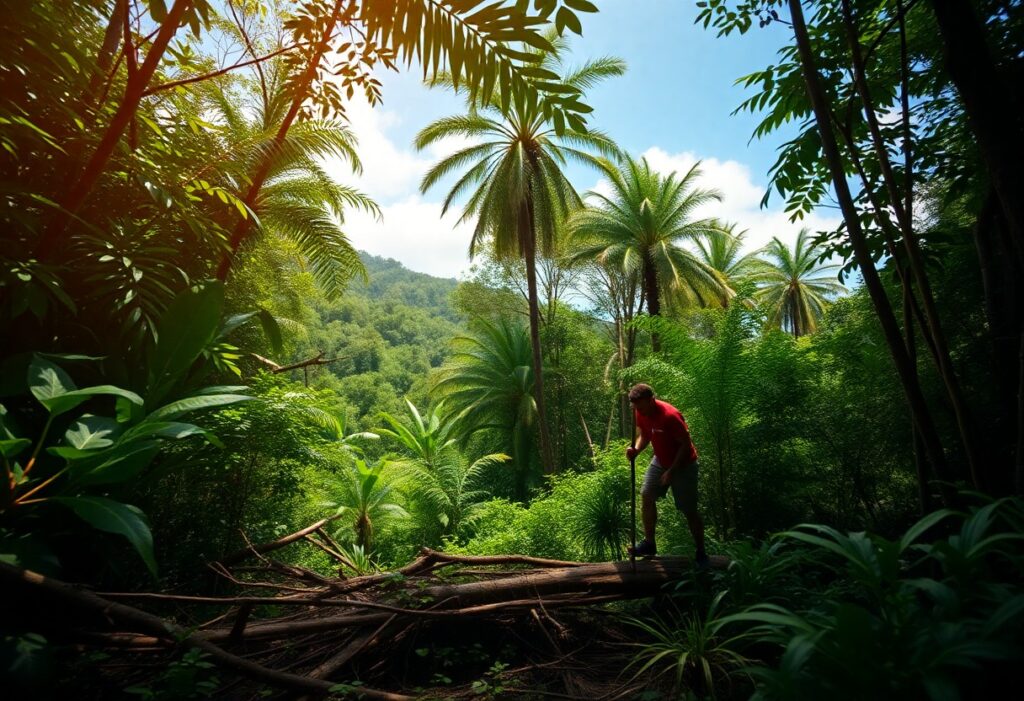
194 358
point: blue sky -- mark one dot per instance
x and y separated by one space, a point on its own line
674 105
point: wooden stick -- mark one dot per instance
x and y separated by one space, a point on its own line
239 555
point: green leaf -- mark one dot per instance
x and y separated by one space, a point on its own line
66 402
158 10
567 18
46 380
183 406
114 517
581 5
92 432
915 531
183 331
271 330
9 447
165 429
115 466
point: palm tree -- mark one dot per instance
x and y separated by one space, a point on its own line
299 200
721 250
425 439
794 288
514 179
363 492
442 482
449 497
489 379
639 229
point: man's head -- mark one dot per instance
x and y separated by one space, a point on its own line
641 396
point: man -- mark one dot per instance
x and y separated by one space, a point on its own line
674 465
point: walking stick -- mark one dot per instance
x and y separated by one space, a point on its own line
632 489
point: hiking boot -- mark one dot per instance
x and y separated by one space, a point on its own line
644 548
702 562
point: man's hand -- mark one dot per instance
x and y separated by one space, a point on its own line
631 452
666 478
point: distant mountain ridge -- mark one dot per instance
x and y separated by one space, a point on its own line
389 279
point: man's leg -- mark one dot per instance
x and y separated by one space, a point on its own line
684 492
696 524
650 491
649 512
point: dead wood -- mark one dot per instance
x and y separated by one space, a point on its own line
366 627
317 359
240 555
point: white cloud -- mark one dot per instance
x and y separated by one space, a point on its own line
412 230
741 198
390 170
414 233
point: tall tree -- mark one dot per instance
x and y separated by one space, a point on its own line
794 289
514 178
640 227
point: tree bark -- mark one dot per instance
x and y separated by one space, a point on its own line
908 378
105 57
239 555
653 299
528 237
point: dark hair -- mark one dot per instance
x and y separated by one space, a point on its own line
640 391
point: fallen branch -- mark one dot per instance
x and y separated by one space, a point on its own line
317 359
64 594
240 555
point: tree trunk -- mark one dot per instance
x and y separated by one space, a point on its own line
535 340
900 203
90 175
244 225
991 104
908 377
105 57
653 300
528 235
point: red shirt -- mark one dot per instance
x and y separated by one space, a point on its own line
667 432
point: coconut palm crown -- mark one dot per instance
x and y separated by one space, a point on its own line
722 250
794 289
639 227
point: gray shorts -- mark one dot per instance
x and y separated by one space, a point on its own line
684 485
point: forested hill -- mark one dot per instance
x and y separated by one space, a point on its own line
390 280
388 333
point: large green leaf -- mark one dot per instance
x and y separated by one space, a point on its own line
183 406
47 381
166 429
57 392
114 517
92 432
271 330
10 444
66 402
115 466
184 330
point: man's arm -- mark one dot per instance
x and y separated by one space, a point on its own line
637 447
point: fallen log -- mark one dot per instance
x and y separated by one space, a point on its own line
363 628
